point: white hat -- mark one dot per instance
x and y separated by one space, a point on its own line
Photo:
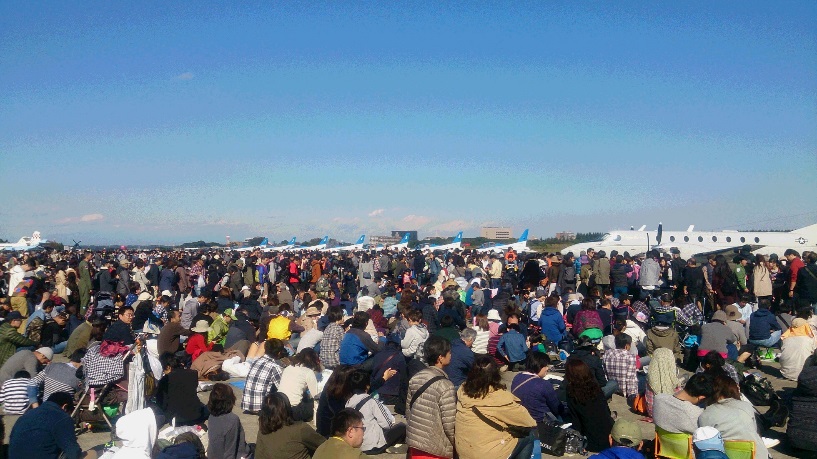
46 352
201 327
245 288
493 314
166 293
150 328
708 438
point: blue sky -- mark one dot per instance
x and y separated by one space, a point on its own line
149 122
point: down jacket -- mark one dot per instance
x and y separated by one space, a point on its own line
431 420
802 429
478 440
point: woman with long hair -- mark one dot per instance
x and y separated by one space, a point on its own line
724 283
762 278
333 398
733 417
484 409
300 384
280 436
662 377
481 325
587 405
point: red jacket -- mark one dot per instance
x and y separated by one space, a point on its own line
197 345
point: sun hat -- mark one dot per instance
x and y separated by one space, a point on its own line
493 314
201 327
732 312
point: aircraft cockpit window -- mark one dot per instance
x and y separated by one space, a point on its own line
617 237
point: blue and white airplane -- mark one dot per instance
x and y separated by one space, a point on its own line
348 248
519 246
455 244
288 246
320 246
403 244
263 245
25 243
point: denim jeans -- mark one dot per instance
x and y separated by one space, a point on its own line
610 388
523 449
618 292
769 342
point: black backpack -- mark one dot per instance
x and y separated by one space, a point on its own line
758 390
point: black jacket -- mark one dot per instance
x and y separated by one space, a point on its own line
593 361
807 283
802 429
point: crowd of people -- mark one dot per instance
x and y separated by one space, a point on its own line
328 350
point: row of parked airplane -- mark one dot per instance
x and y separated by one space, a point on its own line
691 243
520 245
25 243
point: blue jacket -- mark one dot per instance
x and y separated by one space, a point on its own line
761 324
512 346
462 359
44 432
355 347
553 324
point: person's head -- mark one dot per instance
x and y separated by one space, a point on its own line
44 355
468 336
359 381
764 303
537 363
222 399
700 386
334 314
483 378
15 319
126 314
724 387
22 374
347 424
77 356
414 317
63 399
623 341
437 351
626 433
308 358
588 304
170 362
274 348
360 320
791 254
174 316
276 413
582 385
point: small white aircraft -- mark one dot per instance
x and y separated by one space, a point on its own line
403 244
701 243
25 243
288 246
455 244
347 248
263 245
519 246
320 245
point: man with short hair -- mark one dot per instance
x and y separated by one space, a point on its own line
347 437
620 365
431 404
30 361
462 357
763 327
47 431
795 265
264 373
170 337
626 441
679 413
57 377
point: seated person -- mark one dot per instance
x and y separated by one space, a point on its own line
620 366
197 344
357 346
177 394
121 331
534 392
30 361
626 441
679 413
347 437
224 429
300 384
57 377
763 327
279 435
513 347
14 394
264 376
46 431
802 426
381 430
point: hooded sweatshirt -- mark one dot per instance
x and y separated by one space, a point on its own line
761 324
137 431
666 337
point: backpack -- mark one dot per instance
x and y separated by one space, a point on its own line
322 285
758 390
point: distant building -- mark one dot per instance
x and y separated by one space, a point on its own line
495 232
395 238
399 235
566 236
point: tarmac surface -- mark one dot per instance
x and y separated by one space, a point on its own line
96 440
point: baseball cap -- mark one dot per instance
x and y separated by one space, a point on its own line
13 315
46 352
708 438
626 432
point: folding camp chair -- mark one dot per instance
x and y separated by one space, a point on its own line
739 449
672 445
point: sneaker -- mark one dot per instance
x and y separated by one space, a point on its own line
399 449
770 442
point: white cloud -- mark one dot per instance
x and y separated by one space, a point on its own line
416 220
92 218
376 212
185 76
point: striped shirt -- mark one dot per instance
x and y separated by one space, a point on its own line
14 395
57 377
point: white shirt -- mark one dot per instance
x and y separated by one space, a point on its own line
295 380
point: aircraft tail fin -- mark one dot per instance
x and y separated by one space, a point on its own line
808 230
264 242
458 237
324 240
292 241
360 240
524 236
405 238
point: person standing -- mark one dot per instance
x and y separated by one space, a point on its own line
84 283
